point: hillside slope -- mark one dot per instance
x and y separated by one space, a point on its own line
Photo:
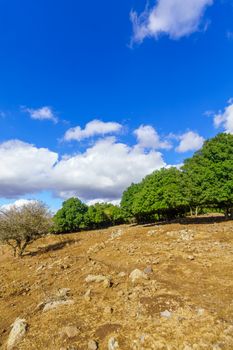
182 300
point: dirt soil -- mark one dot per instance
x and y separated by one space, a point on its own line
184 299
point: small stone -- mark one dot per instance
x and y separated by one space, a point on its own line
121 274
108 310
63 293
116 234
148 270
92 345
70 331
137 275
166 314
200 312
87 295
190 257
18 330
113 344
107 283
95 278
54 304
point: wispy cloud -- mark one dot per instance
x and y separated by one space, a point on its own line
93 128
43 113
175 18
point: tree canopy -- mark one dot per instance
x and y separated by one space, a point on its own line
204 181
70 217
20 226
209 173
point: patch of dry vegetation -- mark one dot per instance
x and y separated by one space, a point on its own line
182 299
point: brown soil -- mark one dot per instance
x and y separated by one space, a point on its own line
192 278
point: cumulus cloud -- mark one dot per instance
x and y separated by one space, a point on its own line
175 18
102 171
93 128
17 204
24 168
43 113
148 137
225 118
190 141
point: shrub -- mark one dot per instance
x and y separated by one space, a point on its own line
20 226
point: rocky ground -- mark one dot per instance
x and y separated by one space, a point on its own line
128 287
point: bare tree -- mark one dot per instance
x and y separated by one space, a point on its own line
20 226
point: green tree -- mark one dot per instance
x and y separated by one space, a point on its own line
96 217
127 201
210 174
161 195
114 214
70 217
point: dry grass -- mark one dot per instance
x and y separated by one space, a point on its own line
192 278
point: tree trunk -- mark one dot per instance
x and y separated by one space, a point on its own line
226 212
231 213
22 248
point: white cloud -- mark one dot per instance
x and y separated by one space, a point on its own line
190 141
105 169
17 204
43 113
225 118
148 137
175 18
24 168
93 128
102 171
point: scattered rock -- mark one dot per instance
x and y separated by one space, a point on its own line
137 275
87 295
148 270
107 283
200 312
99 278
116 234
54 304
113 344
151 232
190 257
70 331
60 298
166 314
121 274
96 248
95 278
63 293
19 328
108 310
92 345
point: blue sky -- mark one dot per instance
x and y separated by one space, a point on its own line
95 95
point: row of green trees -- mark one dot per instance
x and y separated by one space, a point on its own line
76 215
204 181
